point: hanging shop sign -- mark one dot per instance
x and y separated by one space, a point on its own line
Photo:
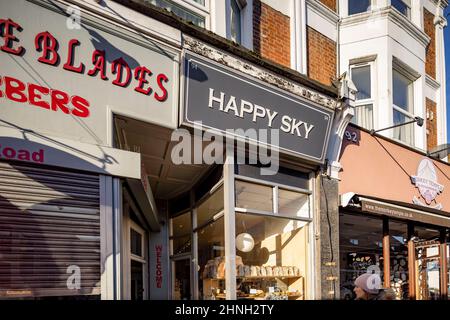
427 184
66 81
225 100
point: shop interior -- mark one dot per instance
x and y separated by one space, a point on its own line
363 240
273 221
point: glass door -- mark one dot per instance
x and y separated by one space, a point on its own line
138 262
427 271
182 279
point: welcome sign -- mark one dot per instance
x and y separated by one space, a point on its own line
223 99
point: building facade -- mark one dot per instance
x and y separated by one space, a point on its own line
200 149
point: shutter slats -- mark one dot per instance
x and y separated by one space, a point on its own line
49 220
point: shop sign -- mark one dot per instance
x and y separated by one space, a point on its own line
159 271
427 184
397 212
228 101
67 82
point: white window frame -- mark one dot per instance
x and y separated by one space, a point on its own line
398 67
371 100
246 13
197 8
345 8
408 5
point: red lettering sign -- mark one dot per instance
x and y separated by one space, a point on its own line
46 43
159 273
8 37
46 98
12 153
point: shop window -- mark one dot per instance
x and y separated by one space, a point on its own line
187 10
210 207
361 250
293 204
271 257
181 230
358 6
362 78
402 92
398 240
254 196
211 260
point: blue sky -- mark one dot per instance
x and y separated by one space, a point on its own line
447 74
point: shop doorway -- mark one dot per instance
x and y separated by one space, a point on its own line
427 269
138 262
182 279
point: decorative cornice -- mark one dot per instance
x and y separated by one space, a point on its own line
442 3
432 83
322 10
244 66
393 16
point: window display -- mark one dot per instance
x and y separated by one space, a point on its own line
274 268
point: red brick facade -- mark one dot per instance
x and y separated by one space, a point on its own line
431 124
271 34
430 65
321 57
330 4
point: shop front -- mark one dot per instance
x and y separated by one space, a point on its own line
75 215
137 165
393 217
247 229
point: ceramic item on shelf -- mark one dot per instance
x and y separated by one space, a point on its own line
269 271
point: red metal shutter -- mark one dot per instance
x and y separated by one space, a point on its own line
49 229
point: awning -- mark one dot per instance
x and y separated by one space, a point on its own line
397 210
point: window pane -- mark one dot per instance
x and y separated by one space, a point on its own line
278 259
181 232
403 133
400 6
211 260
361 79
364 116
179 11
210 207
399 259
402 91
182 285
235 22
293 204
136 243
181 225
358 6
254 196
360 247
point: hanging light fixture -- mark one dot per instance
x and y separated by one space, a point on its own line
245 242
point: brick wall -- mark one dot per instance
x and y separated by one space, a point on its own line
430 65
330 4
271 34
431 124
321 56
